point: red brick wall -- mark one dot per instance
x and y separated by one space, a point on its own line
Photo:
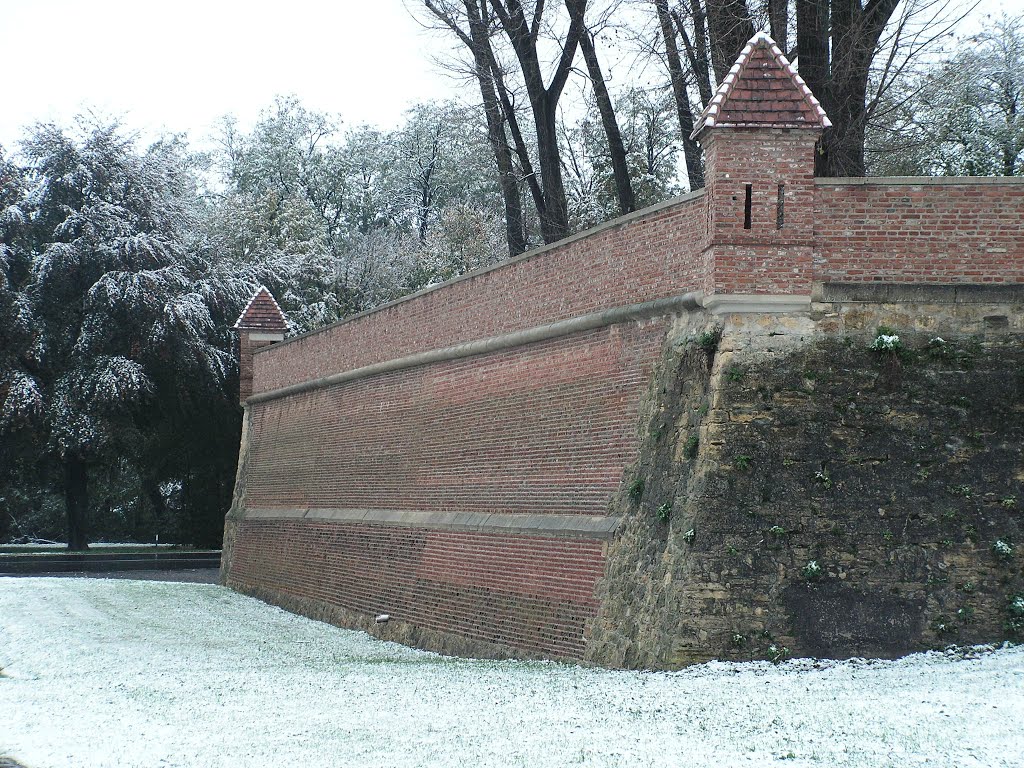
651 256
530 593
550 427
545 428
766 258
935 231
246 346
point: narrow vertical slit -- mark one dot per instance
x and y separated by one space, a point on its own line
780 212
747 205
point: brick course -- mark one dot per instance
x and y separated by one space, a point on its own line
531 593
545 428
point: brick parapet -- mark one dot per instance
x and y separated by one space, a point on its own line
649 255
919 230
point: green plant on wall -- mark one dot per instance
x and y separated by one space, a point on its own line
708 341
1004 550
812 571
1015 615
691 445
887 341
664 512
636 489
742 462
822 478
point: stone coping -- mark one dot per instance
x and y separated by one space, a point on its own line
569 526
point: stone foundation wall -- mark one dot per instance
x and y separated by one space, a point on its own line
823 498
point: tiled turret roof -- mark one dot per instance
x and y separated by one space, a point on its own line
762 90
262 314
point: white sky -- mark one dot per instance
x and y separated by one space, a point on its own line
182 65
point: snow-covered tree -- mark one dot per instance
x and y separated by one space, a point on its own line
123 347
963 116
338 222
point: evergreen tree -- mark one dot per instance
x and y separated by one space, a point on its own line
123 350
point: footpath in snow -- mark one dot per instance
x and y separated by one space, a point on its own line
127 673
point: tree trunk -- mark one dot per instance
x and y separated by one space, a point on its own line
523 36
76 501
691 150
696 50
483 59
507 182
620 168
778 20
554 219
729 27
855 34
488 76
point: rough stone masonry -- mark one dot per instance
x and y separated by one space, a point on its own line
778 416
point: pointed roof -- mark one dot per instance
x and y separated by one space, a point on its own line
262 314
762 90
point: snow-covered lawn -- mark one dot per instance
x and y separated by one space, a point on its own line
126 673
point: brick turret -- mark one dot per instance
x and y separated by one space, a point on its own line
758 135
261 323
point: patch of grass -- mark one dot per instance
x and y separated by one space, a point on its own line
1004 550
1015 615
962 491
812 571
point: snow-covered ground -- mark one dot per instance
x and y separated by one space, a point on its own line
124 673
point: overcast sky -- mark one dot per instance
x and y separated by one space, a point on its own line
181 65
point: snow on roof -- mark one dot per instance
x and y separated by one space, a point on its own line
262 313
762 90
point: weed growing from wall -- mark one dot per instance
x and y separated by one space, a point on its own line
812 571
691 445
709 340
1004 550
1015 615
636 489
887 341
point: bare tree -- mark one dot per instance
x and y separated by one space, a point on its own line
616 148
691 150
524 34
470 24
